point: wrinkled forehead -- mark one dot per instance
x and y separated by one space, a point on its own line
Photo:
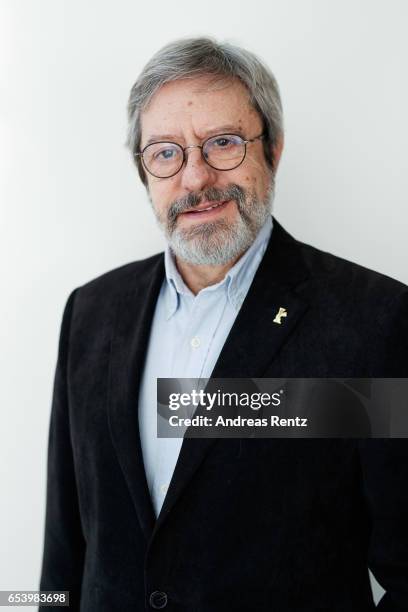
199 105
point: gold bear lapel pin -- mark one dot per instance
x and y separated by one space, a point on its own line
282 312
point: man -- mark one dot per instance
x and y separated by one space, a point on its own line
208 525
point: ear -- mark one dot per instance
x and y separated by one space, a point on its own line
277 151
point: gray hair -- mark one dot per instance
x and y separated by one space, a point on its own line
194 57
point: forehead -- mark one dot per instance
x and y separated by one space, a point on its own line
198 106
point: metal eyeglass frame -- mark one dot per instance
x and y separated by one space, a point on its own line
184 149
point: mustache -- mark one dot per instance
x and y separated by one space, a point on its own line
212 194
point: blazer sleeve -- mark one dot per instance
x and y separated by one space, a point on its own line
384 465
64 543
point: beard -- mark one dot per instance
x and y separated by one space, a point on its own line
220 241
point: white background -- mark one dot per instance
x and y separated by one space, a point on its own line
72 206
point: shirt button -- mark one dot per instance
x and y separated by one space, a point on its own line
164 488
195 342
158 600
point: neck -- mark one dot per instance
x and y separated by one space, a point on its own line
197 277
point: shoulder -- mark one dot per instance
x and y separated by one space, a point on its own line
121 280
91 308
348 275
353 312
356 286
338 275
346 303
363 310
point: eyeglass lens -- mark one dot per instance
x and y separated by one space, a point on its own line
223 152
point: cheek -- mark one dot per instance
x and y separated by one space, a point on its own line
252 179
252 173
257 184
257 177
160 196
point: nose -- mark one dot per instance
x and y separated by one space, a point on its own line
196 173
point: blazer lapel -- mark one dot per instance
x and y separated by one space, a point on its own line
253 342
134 314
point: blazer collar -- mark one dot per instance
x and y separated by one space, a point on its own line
249 350
131 330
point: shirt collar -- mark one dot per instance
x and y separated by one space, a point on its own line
237 280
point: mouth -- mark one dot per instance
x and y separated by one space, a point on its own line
207 209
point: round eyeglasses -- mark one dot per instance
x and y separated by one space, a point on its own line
222 152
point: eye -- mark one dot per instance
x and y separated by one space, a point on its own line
222 142
165 154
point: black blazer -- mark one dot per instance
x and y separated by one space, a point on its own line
283 525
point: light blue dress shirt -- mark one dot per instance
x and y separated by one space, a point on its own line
187 335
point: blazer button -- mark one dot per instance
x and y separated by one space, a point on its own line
158 600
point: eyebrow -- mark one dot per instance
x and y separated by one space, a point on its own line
222 129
